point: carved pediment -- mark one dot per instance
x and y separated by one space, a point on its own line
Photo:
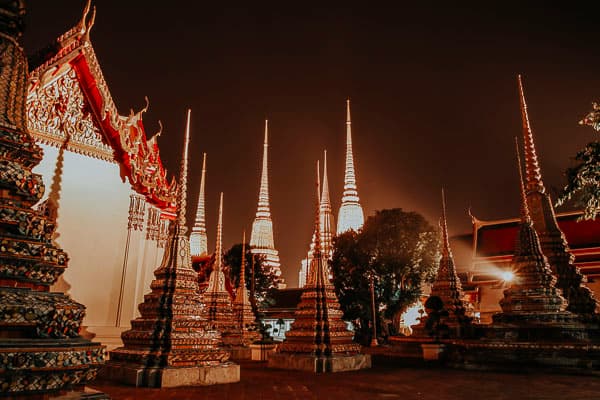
57 109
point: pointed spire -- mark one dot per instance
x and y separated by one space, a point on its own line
533 175
198 239
182 193
263 196
525 215
219 249
446 252
325 200
351 215
242 284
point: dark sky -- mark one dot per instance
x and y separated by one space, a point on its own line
433 89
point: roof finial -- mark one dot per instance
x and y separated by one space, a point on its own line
533 175
183 173
525 216
86 10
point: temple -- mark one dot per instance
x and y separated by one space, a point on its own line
170 344
93 152
198 239
351 214
319 340
261 239
218 307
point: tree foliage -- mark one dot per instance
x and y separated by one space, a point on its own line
400 250
265 281
583 180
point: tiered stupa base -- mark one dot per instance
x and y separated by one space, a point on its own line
39 368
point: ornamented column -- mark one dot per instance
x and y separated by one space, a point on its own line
135 223
41 352
554 244
351 214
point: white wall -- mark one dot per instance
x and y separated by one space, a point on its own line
92 227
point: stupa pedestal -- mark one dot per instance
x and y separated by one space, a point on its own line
171 344
41 352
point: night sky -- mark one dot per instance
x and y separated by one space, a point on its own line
433 90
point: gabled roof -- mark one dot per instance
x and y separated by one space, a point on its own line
497 238
68 93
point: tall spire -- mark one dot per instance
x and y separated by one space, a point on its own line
351 213
263 195
261 239
216 281
447 285
198 239
325 213
525 215
553 241
155 338
318 329
242 307
533 172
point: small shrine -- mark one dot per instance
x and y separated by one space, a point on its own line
319 340
41 352
218 305
171 344
242 307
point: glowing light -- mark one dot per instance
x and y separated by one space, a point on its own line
507 276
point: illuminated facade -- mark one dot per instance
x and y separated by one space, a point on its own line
261 239
351 214
198 239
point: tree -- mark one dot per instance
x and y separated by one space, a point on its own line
400 250
265 281
583 180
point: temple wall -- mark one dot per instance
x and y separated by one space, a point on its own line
93 215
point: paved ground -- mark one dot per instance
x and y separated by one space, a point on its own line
259 383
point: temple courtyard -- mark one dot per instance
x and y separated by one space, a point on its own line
383 381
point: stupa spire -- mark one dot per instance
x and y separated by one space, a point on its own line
326 215
525 215
532 168
553 241
198 239
216 282
318 330
263 195
155 339
447 285
261 239
242 307
351 213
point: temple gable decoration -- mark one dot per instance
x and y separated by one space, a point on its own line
69 103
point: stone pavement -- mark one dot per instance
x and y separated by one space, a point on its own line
381 382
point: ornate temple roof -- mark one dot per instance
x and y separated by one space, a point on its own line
69 102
